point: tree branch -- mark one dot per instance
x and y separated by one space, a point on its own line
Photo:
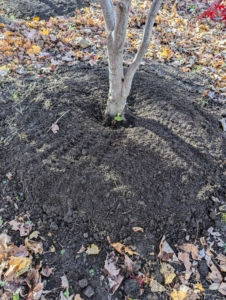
144 45
109 13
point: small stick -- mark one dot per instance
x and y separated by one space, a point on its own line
59 119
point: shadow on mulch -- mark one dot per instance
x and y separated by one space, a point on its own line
158 173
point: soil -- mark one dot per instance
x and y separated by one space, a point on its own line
96 178
41 8
91 180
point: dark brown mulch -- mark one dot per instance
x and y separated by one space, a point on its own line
90 180
42 8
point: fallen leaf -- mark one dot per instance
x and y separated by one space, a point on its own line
178 295
36 19
93 249
203 241
25 229
184 257
82 249
36 247
34 234
122 249
52 249
167 53
110 264
64 282
114 283
47 271
168 272
222 288
215 274
200 287
37 292
166 253
55 128
190 248
77 297
156 287
16 225
128 263
214 286
16 265
136 229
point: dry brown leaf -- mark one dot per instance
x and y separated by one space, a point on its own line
115 282
93 249
21 251
110 264
190 248
184 257
77 297
64 282
32 279
136 229
122 249
55 128
37 292
166 253
203 241
36 247
82 249
15 225
156 287
25 229
47 271
168 272
215 274
52 249
222 288
128 264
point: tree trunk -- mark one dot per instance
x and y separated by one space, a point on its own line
116 25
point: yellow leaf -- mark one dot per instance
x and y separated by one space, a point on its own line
122 249
36 49
17 264
168 272
36 19
178 295
45 31
200 287
93 249
167 54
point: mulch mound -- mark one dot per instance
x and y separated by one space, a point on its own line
94 178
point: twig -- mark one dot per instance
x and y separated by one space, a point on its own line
59 119
197 232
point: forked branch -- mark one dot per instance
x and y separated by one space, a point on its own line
145 43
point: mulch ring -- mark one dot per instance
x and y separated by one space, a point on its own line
92 179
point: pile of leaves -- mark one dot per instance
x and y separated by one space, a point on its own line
179 285
20 274
179 39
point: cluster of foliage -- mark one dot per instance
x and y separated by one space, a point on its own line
217 8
